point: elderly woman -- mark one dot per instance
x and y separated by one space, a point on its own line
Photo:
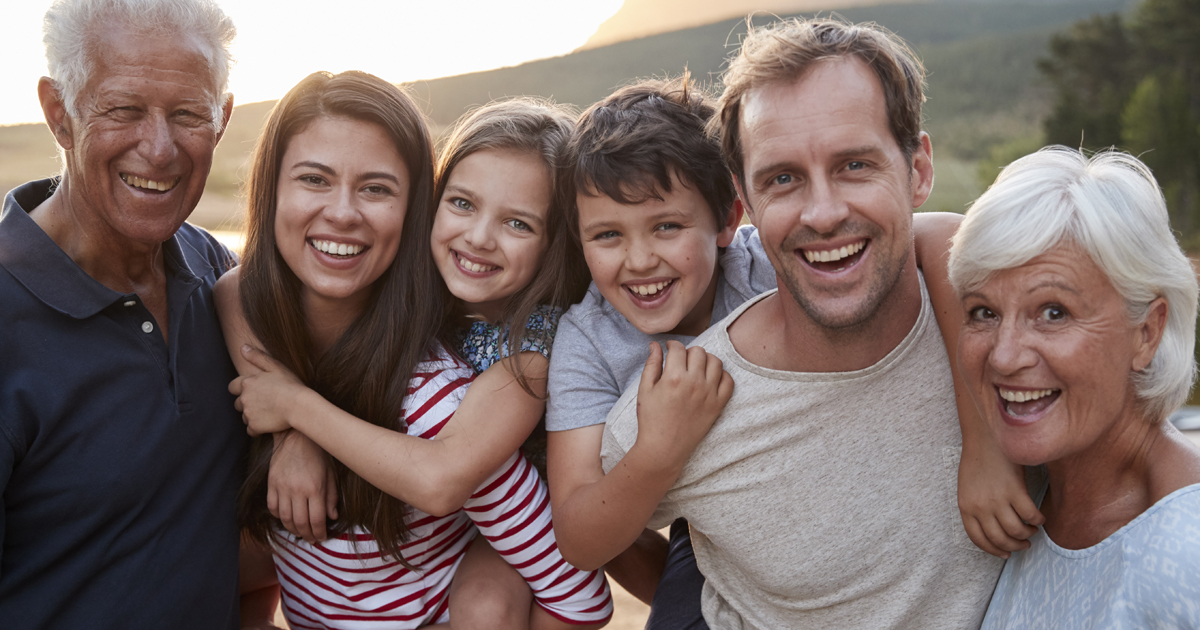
1080 322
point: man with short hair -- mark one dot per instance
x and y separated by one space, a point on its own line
824 496
120 450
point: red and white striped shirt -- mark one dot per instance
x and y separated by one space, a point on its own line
336 585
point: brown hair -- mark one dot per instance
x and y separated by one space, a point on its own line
627 146
785 50
542 128
367 371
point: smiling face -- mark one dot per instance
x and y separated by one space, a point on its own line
830 190
140 150
1048 351
342 195
489 233
656 261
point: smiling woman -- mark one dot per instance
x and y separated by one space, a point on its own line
1080 324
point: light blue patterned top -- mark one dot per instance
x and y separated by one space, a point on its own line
482 344
1146 575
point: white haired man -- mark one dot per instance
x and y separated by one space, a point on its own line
120 450
824 494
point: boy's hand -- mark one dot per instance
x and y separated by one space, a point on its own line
265 399
996 509
678 400
300 486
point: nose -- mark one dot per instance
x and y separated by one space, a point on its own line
826 210
342 210
157 142
479 234
640 255
1013 348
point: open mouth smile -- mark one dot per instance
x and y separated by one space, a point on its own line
339 250
647 293
835 259
471 266
150 185
1026 406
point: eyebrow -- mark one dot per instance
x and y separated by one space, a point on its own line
329 171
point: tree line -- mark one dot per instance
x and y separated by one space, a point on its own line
1133 82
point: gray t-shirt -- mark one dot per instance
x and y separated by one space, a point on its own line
828 500
598 353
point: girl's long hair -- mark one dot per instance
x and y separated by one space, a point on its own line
542 128
367 371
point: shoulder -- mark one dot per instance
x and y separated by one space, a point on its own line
196 243
436 387
745 265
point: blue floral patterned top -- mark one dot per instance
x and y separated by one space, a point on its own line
482 344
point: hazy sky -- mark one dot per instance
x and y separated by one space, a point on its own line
280 43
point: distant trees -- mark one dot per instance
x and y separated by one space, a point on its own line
1135 83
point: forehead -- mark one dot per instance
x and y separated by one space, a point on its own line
132 63
838 104
345 143
683 202
1063 267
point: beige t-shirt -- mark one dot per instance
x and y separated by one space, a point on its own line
828 500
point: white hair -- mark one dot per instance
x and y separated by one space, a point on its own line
1111 208
70 26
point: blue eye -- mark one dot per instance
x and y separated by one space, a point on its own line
856 166
782 179
606 235
519 225
461 204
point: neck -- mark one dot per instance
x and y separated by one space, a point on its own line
329 319
112 260
1097 491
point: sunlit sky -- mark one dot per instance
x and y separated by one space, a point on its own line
280 43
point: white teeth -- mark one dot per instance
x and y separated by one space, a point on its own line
1024 396
649 289
149 184
337 249
474 267
834 255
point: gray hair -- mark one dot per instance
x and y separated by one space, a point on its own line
69 33
1110 207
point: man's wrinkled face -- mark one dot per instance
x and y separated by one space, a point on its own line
141 147
830 190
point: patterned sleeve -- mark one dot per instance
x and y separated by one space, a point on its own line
539 335
512 511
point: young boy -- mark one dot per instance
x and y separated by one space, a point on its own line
657 218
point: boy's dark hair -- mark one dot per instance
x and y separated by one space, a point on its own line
626 146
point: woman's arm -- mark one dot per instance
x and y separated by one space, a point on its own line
435 476
994 504
300 486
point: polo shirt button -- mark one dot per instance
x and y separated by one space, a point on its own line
147 327
131 303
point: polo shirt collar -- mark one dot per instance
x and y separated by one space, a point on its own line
43 268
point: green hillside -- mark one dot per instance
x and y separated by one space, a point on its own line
984 88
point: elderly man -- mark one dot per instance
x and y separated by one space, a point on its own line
119 446
824 495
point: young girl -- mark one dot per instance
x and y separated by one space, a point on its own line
492 241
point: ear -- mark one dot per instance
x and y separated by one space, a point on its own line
1148 334
226 113
741 197
55 111
732 220
922 171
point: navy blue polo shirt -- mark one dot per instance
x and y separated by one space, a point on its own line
120 455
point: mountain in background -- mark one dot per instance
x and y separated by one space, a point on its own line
984 89
642 18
